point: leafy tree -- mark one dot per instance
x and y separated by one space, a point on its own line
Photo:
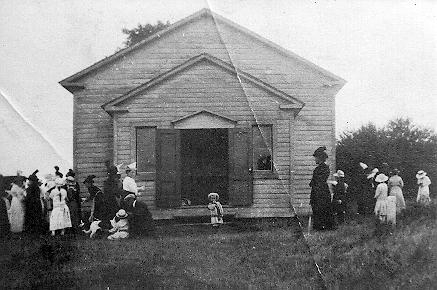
400 143
141 32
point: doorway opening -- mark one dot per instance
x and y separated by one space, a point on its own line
204 164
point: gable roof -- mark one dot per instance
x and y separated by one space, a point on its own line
110 106
223 122
71 82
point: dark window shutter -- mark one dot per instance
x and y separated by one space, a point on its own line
168 168
240 175
146 149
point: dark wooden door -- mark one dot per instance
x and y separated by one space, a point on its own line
240 163
168 168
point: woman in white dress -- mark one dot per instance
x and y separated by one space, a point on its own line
395 184
423 193
16 211
60 215
381 197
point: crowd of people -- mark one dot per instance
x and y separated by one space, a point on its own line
372 191
53 204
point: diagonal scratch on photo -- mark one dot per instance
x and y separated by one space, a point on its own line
218 144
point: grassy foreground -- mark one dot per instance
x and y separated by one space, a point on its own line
356 256
259 256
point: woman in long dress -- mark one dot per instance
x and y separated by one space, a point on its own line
73 202
140 218
381 194
34 214
105 203
60 215
16 211
320 198
423 193
395 184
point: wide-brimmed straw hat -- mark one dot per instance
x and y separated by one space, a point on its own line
339 173
132 167
70 180
373 173
420 174
59 181
122 214
381 178
213 194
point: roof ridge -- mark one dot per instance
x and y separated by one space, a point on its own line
71 80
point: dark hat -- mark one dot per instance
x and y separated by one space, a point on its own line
57 173
89 179
112 170
320 152
33 176
19 180
70 173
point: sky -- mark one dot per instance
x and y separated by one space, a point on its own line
385 50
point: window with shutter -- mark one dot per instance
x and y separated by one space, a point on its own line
145 152
262 138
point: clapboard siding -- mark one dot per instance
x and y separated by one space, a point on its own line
206 87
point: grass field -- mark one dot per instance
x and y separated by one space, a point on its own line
259 255
356 256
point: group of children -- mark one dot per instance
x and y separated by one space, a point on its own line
389 199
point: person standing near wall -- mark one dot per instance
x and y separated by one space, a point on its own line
320 198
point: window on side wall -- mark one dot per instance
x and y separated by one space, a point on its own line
145 152
262 136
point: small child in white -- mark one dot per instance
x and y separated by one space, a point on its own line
120 226
216 209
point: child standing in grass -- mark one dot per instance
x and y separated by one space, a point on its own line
216 209
339 197
423 193
381 194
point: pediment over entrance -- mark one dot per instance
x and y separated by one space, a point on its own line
203 119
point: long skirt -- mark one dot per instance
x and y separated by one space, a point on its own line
74 214
381 207
16 215
140 219
391 210
400 201
423 195
323 218
60 218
